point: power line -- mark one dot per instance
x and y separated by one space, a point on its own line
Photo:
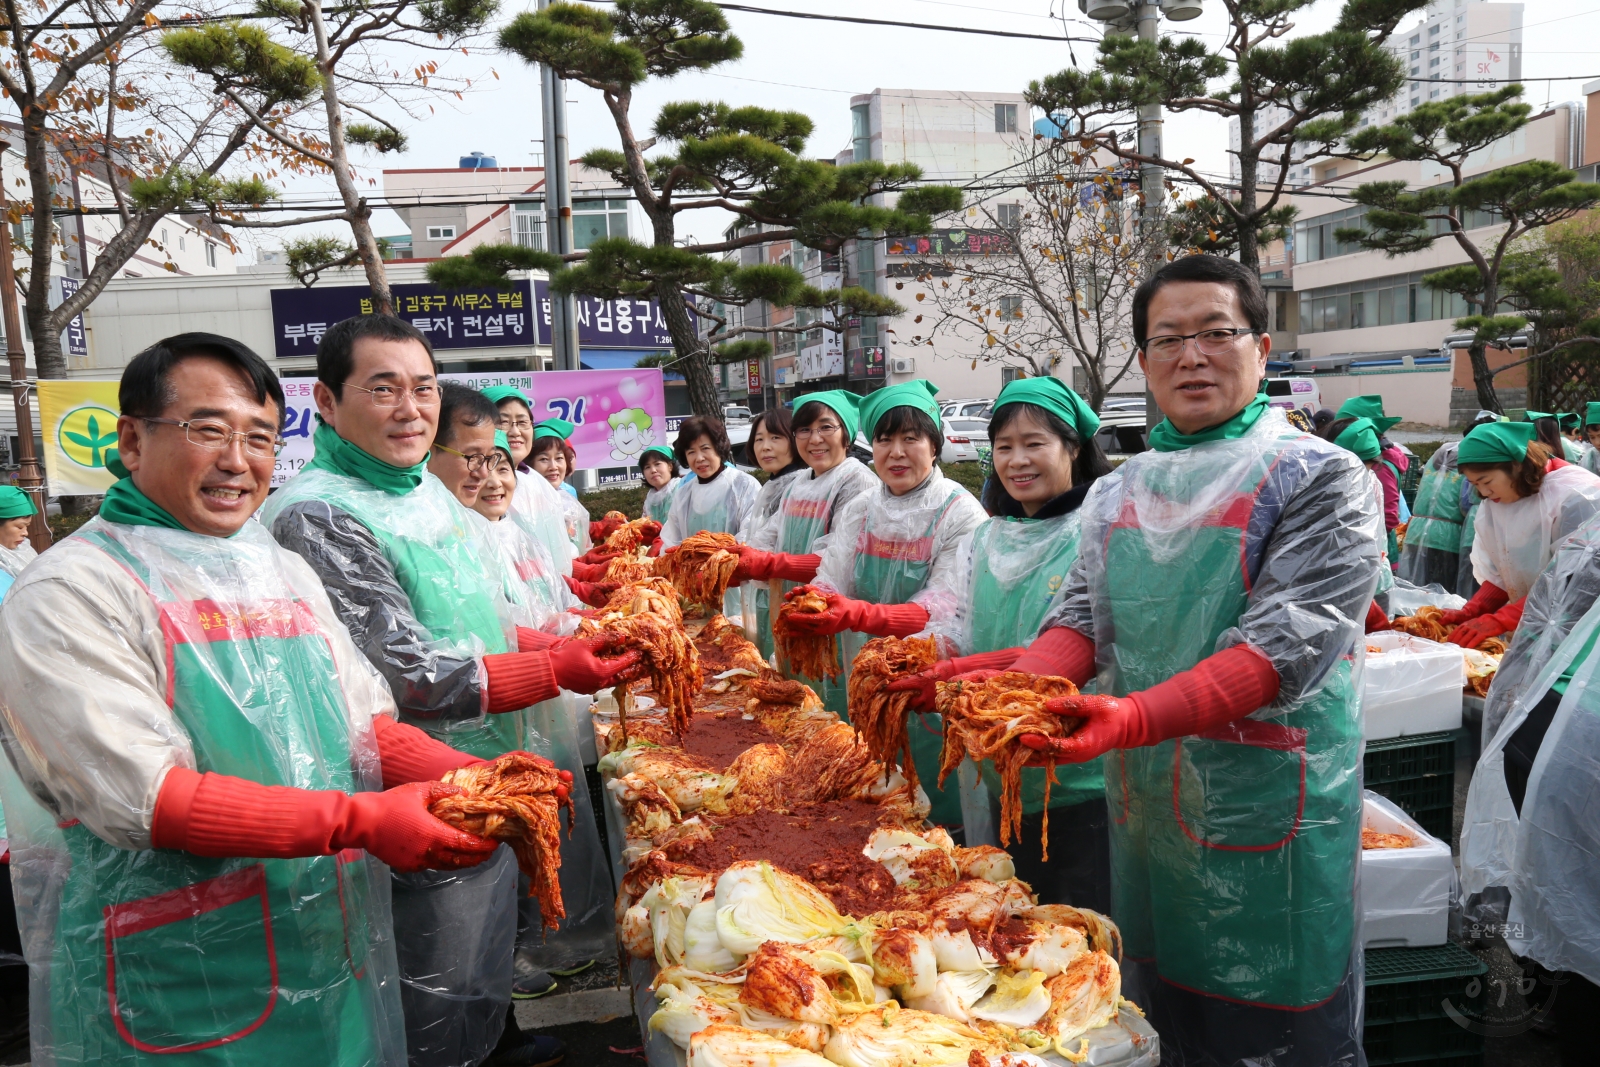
901 25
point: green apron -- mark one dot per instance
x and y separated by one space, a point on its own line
1436 517
441 563
802 523
1032 557
658 503
1233 852
163 957
892 572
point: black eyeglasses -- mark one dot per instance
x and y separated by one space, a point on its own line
476 463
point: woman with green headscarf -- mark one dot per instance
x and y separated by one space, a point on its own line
789 548
1530 502
535 500
552 458
890 566
16 513
1574 447
1009 572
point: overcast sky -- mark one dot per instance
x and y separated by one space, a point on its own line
816 67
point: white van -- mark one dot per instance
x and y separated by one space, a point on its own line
1295 394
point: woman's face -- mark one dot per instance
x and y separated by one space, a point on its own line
15 531
1034 466
902 460
499 484
657 472
702 457
518 426
552 465
772 449
823 445
1494 484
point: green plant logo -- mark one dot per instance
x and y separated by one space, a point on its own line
86 433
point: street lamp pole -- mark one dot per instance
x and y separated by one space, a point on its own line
558 211
30 476
1152 178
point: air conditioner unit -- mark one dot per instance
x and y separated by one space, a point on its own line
905 365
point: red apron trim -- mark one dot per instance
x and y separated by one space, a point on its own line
806 509
916 550
1235 514
1253 1003
1260 734
206 620
1300 808
528 569
190 901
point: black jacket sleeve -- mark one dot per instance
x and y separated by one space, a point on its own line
429 684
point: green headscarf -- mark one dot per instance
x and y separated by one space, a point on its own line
1053 395
1592 418
914 394
497 393
1569 421
661 450
1360 437
14 503
553 428
502 442
841 402
1496 442
1367 407
336 454
1532 416
1166 438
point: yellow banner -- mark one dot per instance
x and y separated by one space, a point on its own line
78 421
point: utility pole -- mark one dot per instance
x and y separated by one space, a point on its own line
30 476
558 210
1152 178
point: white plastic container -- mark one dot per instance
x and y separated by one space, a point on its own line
1405 892
1413 686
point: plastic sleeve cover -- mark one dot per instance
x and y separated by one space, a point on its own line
956 627
427 682
1075 609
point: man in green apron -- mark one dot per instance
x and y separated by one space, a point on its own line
1218 597
204 772
422 598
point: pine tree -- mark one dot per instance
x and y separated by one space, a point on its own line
1525 197
746 160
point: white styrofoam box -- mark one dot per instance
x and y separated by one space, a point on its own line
1405 892
1412 687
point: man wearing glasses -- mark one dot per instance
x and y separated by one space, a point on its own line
203 769
1219 599
405 571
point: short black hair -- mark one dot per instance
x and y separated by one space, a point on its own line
696 427
460 405
336 350
1202 268
146 387
906 419
657 457
1088 464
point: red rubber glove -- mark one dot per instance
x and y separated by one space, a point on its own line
407 754
758 566
589 572
923 683
536 640
220 815
844 613
1059 652
1474 632
656 550
597 555
650 531
514 680
1376 619
1488 598
579 668
1219 689
594 594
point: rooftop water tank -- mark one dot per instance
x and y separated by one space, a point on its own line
477 161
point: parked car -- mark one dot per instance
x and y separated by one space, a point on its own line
1116 405
735 413
963 438
1122 433
976 407
1303 394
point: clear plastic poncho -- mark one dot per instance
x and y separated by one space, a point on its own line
1432 552
539 600
12 560
1513 542
757 600
1545 857
130 650
658 502
721 505
1235 853
577 518
540 503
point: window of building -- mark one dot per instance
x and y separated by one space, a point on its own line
1010 307
1009 375
1009 216
182 243
211 254
163 235
594 219
1434 62
1434 47
1416 70
1415 100
1433 30
1417 54
527 224
1005 118
1434 95
861 131
441 233
1399 298
1416 38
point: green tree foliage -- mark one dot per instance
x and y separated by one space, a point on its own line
1322 81
700 155
1523 197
